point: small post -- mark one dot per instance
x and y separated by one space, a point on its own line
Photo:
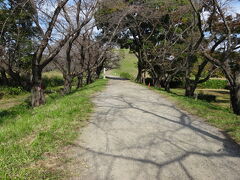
104 73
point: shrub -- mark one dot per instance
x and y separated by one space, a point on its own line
214 84
15 90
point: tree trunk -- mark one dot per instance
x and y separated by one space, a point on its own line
38 97
191 85
144 78
235 95
89 77
4 77
139 78
80 81
99 70
67 84
167 86
167 83
235 100
157 83
190 88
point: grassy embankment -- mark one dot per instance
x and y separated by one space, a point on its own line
128 65
29 137
217 113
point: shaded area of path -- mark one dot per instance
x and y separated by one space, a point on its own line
136 133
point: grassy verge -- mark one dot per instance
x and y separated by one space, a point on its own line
222 95
27 135
215 115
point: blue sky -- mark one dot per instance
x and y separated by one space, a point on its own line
235 6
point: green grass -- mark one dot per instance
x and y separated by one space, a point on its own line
214 84
53 81
221 117
128 64
27 135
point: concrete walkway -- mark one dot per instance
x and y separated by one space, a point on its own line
136 134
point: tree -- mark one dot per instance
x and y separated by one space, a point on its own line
128 36
86 10
89 55
17 38
221 46
153 31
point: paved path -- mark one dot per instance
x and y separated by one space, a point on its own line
136 134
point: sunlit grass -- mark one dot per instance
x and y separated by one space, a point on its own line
27 134
52 74
127 65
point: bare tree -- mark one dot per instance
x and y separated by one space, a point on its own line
79 23
84 56
89 55
62 27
